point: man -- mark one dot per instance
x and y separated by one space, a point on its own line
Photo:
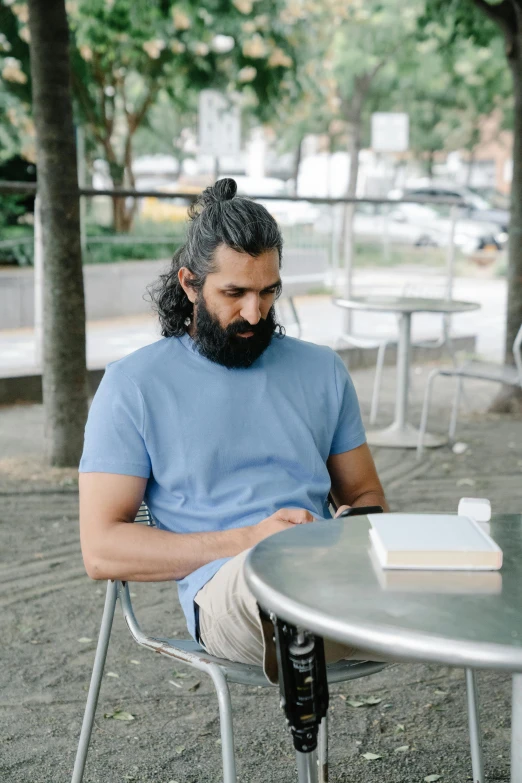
230 430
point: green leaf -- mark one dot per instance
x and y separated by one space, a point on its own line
372 757
179 675
399 727
353 703
402 749
372 700
432 778
179 749
119 715
195 687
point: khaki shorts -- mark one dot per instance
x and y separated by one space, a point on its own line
230 625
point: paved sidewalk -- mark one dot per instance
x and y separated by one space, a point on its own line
321 322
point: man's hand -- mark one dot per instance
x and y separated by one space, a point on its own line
281 520
340 511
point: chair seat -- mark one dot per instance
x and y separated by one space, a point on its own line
483 371
249 674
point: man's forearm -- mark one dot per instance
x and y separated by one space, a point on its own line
371 499
137 553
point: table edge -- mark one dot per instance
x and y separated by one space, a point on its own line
385 641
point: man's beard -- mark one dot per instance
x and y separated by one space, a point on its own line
223 346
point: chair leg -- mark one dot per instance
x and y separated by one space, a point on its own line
474 728
96 677
226 725
455 409
425 411
322 751
377 382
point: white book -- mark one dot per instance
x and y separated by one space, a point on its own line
432 541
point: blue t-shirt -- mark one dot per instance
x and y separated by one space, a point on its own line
223 448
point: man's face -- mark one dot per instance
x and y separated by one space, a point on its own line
233 314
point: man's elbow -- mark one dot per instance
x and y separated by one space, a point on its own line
95 566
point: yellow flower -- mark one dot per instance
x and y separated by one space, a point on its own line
178 47
12 71
279 58
86 52
181 19
24 34
244 6
200 48
154 48
247 74
21 11
255 47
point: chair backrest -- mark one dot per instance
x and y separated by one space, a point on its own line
517 353
144 516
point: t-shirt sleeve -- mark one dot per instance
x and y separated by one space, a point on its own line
349 432
114 433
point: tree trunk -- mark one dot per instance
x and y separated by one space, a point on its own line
64 356
510 397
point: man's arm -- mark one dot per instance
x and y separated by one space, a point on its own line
354 479
113 548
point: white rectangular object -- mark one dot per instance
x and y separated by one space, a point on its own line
390 132
432 541
219 124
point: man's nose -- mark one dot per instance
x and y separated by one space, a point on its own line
250 309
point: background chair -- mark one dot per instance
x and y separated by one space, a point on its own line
220 670
483 371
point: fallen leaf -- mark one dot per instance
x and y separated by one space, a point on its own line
194 687
179 749
84 639
465 482
371 756
402 749
179 675
353 703
119 715
441 693
399 727
432 778
175 684
372 700
112 674
342 696
137 663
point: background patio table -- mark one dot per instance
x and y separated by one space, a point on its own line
402 434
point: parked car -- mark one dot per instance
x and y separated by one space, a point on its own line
420 225
474 206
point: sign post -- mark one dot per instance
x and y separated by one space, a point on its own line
219 125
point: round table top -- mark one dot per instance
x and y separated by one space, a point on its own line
321 576
405 304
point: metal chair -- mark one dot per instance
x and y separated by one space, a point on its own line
498 373
220 670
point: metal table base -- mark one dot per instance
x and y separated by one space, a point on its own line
404 436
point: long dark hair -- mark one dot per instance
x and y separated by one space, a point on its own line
217 217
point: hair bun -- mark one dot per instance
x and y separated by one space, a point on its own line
222 190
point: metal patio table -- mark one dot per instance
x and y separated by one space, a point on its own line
402 434
321 577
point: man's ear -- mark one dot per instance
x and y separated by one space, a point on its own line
184 277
